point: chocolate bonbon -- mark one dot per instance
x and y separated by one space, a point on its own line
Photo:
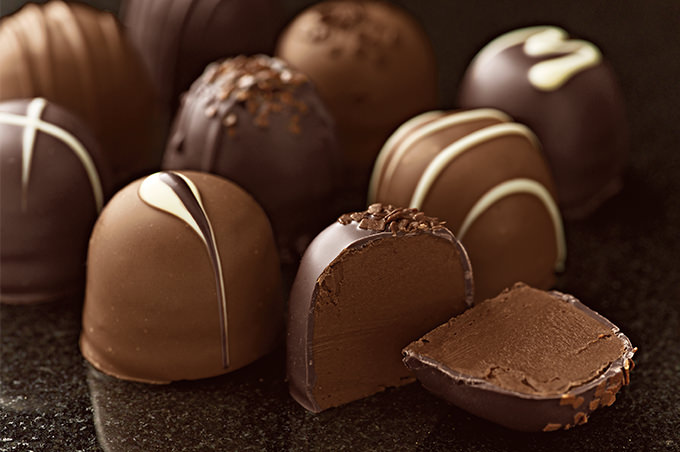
77 57
373 66
366 286
260 123
54 181
485 175
183 281
568 94
528 359
177 39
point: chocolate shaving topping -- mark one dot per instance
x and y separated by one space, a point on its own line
261 85
387 218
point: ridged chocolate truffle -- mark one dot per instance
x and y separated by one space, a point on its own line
373 65
53 183
77 57
177 39
183 281
485 175
568 94
366 286
528 360
261 124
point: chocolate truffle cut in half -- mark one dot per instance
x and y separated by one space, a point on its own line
528 359
366 286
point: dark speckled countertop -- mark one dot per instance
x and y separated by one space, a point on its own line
624 262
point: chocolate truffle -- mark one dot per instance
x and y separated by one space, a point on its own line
182 282
564 90
177 39
485 175
366 286
77 57
53 183
527 359
373 65
262 125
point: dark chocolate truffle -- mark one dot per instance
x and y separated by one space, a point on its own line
367 285
177 39
564 90
527 359
373 65
53 183
485 175
261 124
77 57
183 281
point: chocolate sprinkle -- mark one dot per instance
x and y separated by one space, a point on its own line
385 217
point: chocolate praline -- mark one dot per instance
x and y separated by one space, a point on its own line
566 91
373 65
528 359
261 124
485 175
77 57
183 281
54 181
366 286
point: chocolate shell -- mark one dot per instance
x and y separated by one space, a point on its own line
177 39
261 124
485 175
77 57
53 183
568 94
183 281
528 360
366 286
373 65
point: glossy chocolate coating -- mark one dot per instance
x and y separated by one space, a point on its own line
365 285
53 183
183 281
77 57
373 66
581 123
177 39
485 175
578 360
261 124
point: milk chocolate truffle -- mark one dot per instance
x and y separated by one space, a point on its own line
373 65
567 93
182 282
177 39
53 183
256 121
366 286
485 175
77 57
528 359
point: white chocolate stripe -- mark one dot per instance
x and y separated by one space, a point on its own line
449 153
33 113
68 139
515 186
429 129
507 40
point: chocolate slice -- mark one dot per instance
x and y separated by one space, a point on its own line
366 286
528 360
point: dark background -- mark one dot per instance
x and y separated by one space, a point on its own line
624 262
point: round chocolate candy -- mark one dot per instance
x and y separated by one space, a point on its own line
77 57
567 93
373 65
485 175
53 183
260 123
183 281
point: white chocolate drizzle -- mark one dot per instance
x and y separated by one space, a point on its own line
33 124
